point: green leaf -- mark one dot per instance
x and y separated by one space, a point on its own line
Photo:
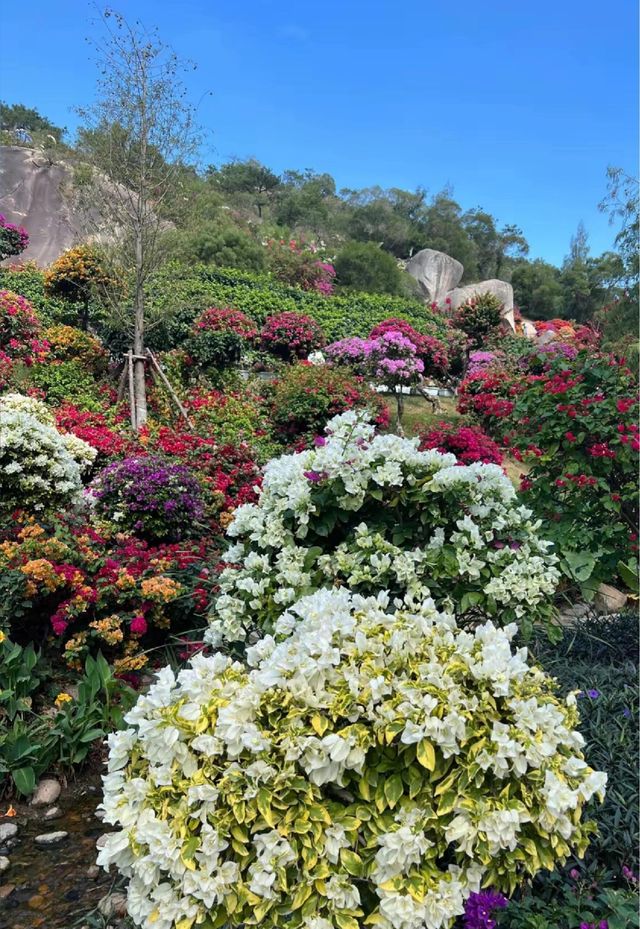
393 789
25 780
352 862
425 753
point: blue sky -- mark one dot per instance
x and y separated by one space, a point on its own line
519 107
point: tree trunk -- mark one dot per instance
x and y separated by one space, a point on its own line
138 341
400 410
84 316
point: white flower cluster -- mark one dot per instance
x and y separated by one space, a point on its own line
373 512
374 765
40 468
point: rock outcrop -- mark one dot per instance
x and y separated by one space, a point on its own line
35 194
435 272
500 289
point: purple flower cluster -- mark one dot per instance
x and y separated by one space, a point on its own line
391 358
480 361
148 496
480 907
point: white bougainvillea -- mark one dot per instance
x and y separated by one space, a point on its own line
371 767
40 468
373 512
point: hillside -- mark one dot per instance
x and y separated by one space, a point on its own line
37 195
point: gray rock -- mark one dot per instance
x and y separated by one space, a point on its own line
53 812
50 838
7 831
500 289
113 905
4 863
435 272
46 793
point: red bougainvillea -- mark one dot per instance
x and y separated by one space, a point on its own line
467 443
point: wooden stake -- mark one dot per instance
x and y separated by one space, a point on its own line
122 381
168 387
132 393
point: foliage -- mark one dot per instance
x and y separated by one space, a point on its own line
424 761
78 274
305 397
28 280
159 501
32 744
215 243
599 658
537 289
479 318
232 418
300 265
365 266
40 468
574 903
19 116
13 239
97 590
467 443
68 343
373 512
219 337
291 335
575 426
63 382
93 428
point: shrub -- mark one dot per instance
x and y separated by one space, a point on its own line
156 500
305 397
479 318
13 239
233 419
373 512
575 426
20 330
78 276
84 591
39 468
92 428
67 343
65 382
300 265
372 767
215 244
219 338
365 266
291 335
467 443
28 280
489 395
431 351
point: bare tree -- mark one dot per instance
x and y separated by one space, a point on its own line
136 139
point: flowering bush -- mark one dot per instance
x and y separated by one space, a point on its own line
431 351
77 275
372 767
13 239
219 337
467 443
480 361
291 335
92 428
20 330
98 591
67 343
391 358
232 419
489 395
304 397
479 318
575 426
300 264
566 332
157 500
370 512
40 468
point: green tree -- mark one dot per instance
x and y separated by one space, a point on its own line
365 266
249 178
537 289
222 245
306 201
19 116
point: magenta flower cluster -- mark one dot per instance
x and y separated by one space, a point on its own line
158 501
480 361
13 239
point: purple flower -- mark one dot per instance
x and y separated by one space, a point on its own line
592 693
319 441
626 713
314 476
479 909
628 874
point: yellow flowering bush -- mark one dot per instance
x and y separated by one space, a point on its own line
67 343
369 767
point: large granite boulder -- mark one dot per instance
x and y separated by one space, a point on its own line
435 272
500 289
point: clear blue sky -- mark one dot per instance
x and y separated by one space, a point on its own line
519 106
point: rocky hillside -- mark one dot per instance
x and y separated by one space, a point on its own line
37 195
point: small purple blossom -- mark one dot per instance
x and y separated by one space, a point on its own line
319 441
479 909
628 874
314 476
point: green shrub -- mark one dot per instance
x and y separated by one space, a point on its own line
65 382
213 244
29 282
479 318
365 266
